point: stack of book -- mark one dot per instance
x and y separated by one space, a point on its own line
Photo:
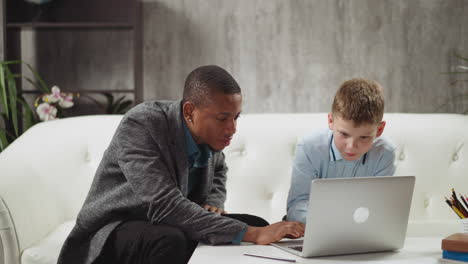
455 247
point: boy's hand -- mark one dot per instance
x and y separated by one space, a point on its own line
274 232
214 209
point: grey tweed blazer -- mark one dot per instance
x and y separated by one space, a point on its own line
143 176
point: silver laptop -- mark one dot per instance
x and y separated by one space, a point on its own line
355 215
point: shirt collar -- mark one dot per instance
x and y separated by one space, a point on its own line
198 154
335 154
191 146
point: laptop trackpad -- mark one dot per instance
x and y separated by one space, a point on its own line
290 244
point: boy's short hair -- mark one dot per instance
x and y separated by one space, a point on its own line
359 100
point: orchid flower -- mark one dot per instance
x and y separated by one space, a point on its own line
46 112
55 96
67 101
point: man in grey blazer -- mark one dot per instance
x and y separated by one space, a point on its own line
160 187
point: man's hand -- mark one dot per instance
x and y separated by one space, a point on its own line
214 209
274 232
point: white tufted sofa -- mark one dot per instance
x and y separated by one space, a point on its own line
46 173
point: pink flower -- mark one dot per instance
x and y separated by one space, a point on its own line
55 96
46 112
67 101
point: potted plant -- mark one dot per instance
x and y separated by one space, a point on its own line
16 116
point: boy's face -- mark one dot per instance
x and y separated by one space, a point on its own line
215 123
353 141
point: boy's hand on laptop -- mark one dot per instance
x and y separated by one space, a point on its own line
274 232
214 209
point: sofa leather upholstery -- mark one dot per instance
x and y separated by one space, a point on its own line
46 173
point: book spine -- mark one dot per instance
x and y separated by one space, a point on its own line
460 256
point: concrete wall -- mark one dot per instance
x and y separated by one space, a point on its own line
288 56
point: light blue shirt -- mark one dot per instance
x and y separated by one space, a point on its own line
318 158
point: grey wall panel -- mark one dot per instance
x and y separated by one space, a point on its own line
291 56
85 59
288 56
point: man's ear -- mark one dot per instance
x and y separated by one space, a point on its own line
380 128
187 110
330 121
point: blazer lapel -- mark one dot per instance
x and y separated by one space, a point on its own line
178 150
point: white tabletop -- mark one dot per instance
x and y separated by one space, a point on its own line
416 250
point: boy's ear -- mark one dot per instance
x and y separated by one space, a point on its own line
380 128
330 121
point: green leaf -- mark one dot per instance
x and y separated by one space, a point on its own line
3 140
8 133
43 85
35 84
109 98
110 102
29 118
123 107
3 90
11 62
115 106
12 100
118 101
460 57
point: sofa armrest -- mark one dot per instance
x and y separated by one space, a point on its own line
9 247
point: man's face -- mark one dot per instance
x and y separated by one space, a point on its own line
353 141
215 122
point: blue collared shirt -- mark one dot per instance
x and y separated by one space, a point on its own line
198 155
318 158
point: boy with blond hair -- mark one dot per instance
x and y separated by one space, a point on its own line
351 147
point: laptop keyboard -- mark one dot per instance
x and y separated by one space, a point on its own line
297 248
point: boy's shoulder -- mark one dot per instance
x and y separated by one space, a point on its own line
318 141
384 148
384 144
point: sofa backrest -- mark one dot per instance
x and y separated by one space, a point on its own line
433 147
45 175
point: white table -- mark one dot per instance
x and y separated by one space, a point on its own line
416 250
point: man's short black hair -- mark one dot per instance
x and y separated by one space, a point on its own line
204 80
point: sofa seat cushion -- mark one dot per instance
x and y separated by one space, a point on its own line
47 250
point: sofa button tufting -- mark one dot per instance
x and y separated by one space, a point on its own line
402 156
87 156
426 202
269 196
293 150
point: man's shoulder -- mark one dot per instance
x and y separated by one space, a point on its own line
152 108
153 112
154 116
